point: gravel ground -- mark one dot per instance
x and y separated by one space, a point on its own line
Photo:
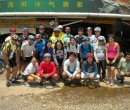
19 97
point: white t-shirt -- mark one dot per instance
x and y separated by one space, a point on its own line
30 69
72 48
92 38
28 49
95 42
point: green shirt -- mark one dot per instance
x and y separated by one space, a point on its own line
66 39
124 65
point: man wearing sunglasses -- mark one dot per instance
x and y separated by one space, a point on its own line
11 53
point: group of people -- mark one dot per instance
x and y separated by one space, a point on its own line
63 57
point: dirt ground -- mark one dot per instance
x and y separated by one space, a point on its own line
19 97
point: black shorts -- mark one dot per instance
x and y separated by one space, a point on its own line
114 64
12 62
28 60
60 61
25 77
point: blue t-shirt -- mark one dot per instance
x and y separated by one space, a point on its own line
85 49
39 45
89 68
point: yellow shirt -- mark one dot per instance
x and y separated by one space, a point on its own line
9 47
60 34
54 39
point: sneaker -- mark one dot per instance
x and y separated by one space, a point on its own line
122 82
27 84
108 82
66 83
8 83
15 82
41 83
112 83
53 82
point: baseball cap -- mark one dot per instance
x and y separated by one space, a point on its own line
90 55
101 38
56 29
97 29
60 27
85 38
37 36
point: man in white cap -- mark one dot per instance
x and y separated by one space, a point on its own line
97 31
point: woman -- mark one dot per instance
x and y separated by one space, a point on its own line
59 55
47 49
112 53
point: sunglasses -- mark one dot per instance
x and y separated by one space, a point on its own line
58 45
41 29
47 57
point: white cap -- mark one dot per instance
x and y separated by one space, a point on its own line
97 29
60 26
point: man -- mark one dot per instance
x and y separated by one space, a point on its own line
66 37
12 32
44 36
123 68
60 27
85 48
55 37
97 34
72 47
47 70
90 35
39 45
80 36
30 73
27 51
71 69
24 37
11 50
89 69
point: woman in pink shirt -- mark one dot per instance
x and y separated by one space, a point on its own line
112 53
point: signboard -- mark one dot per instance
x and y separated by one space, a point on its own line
22 24
93 6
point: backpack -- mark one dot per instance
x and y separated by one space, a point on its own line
89 46
76 46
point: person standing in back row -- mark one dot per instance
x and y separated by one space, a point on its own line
80 36
66 37
97 31
44 36
85 48
90 35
